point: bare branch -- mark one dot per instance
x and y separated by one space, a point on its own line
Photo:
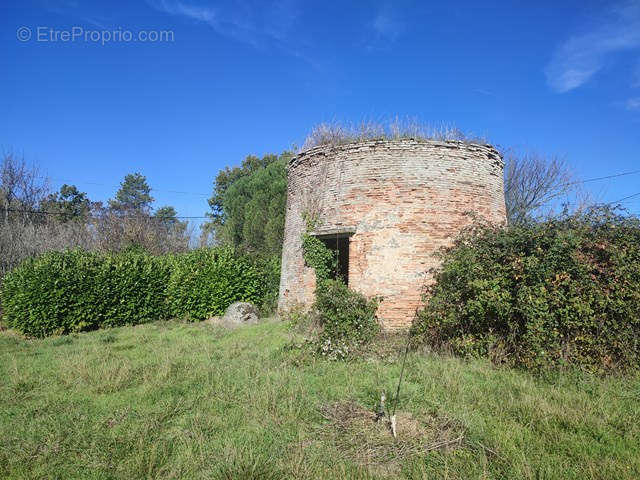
21 186
532 182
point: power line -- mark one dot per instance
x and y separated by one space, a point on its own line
601 178
180 192
624 198
42 212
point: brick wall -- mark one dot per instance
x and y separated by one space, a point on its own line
403 199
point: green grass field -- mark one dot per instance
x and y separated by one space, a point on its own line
175 400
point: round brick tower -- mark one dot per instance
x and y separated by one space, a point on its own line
385 206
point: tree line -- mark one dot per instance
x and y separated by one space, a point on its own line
246 208
34 220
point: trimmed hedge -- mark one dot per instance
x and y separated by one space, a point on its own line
205 282
556 293
73 291
64 292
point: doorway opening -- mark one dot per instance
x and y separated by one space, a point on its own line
339 244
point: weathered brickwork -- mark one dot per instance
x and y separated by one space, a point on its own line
403 199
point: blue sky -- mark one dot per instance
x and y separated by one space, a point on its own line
240 78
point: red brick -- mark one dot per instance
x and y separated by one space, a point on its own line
405 198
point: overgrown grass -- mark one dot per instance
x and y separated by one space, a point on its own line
337 133
173 400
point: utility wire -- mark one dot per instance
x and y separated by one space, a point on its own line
199 217
41 212
624 198
600 178
207 194
180 192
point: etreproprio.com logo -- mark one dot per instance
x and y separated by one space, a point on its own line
45 34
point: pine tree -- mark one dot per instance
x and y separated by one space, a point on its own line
134 195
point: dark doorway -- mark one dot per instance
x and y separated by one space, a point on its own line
340 245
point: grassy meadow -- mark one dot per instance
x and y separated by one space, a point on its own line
175 400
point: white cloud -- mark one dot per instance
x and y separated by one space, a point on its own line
385 25
633 104
257 25
486 93
203 14
383 28
636 76
584 54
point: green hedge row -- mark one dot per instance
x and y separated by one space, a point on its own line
63 292
556 293
205 282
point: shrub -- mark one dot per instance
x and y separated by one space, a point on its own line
268 267
347 318
133 286
58 293
561 292
316 255
73 291
205 282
